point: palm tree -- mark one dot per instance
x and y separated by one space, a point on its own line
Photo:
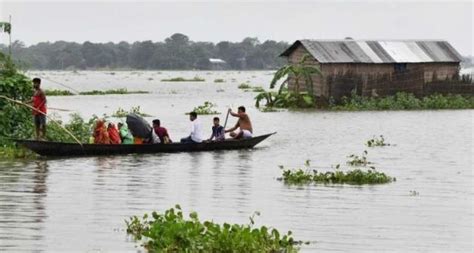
299 71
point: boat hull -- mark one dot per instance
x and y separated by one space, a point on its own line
47 148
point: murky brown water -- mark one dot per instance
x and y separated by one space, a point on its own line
80 204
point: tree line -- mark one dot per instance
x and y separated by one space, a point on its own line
177 52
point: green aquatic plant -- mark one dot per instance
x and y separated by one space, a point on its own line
377 142
403 101
171 231
356 160
206 109
182 79
56 92
244 86
121 91
219 80
121 113
306 175
11 152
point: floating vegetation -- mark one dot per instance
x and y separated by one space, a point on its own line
56 92
171 231
244 86
150 79
182 79
219 80
206 109
404 101
121 91
414 193
248 87
377 142
304 176
356 160
121 113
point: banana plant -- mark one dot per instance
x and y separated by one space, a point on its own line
300 71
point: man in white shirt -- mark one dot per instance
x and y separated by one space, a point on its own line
196 130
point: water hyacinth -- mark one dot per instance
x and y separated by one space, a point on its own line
173 232
354 177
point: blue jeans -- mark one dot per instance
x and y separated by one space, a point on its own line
187 140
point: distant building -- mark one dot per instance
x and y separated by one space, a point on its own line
374 68
217 64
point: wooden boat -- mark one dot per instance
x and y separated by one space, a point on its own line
47 148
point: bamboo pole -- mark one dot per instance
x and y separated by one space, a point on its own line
34 109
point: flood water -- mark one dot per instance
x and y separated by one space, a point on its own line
80 204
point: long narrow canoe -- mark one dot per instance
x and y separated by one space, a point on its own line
47 148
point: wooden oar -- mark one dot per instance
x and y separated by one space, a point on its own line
226 118
34 109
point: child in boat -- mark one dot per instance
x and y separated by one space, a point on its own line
161 132
217 131
125 135
114 135
101 136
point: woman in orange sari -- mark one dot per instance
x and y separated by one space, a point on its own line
114 135
101 136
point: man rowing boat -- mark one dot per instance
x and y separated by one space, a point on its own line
39 113
243 123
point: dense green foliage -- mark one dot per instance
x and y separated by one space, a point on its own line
205 109
301 176
182 79
176 52
404 101
15 120
172 232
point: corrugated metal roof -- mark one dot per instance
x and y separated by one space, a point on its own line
382 51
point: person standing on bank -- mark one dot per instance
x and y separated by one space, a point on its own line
196 130
39 113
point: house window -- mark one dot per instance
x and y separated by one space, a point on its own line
400 67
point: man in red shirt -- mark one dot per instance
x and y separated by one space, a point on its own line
161 132
39 114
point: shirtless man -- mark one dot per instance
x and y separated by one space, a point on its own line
243 123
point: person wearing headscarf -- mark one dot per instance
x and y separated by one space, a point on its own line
101 136
125 135
114 135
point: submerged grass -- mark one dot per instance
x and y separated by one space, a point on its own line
171 231
182 79
56 92
219 80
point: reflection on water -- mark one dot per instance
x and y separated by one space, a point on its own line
80 204
23 190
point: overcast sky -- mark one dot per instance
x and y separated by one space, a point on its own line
104 21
